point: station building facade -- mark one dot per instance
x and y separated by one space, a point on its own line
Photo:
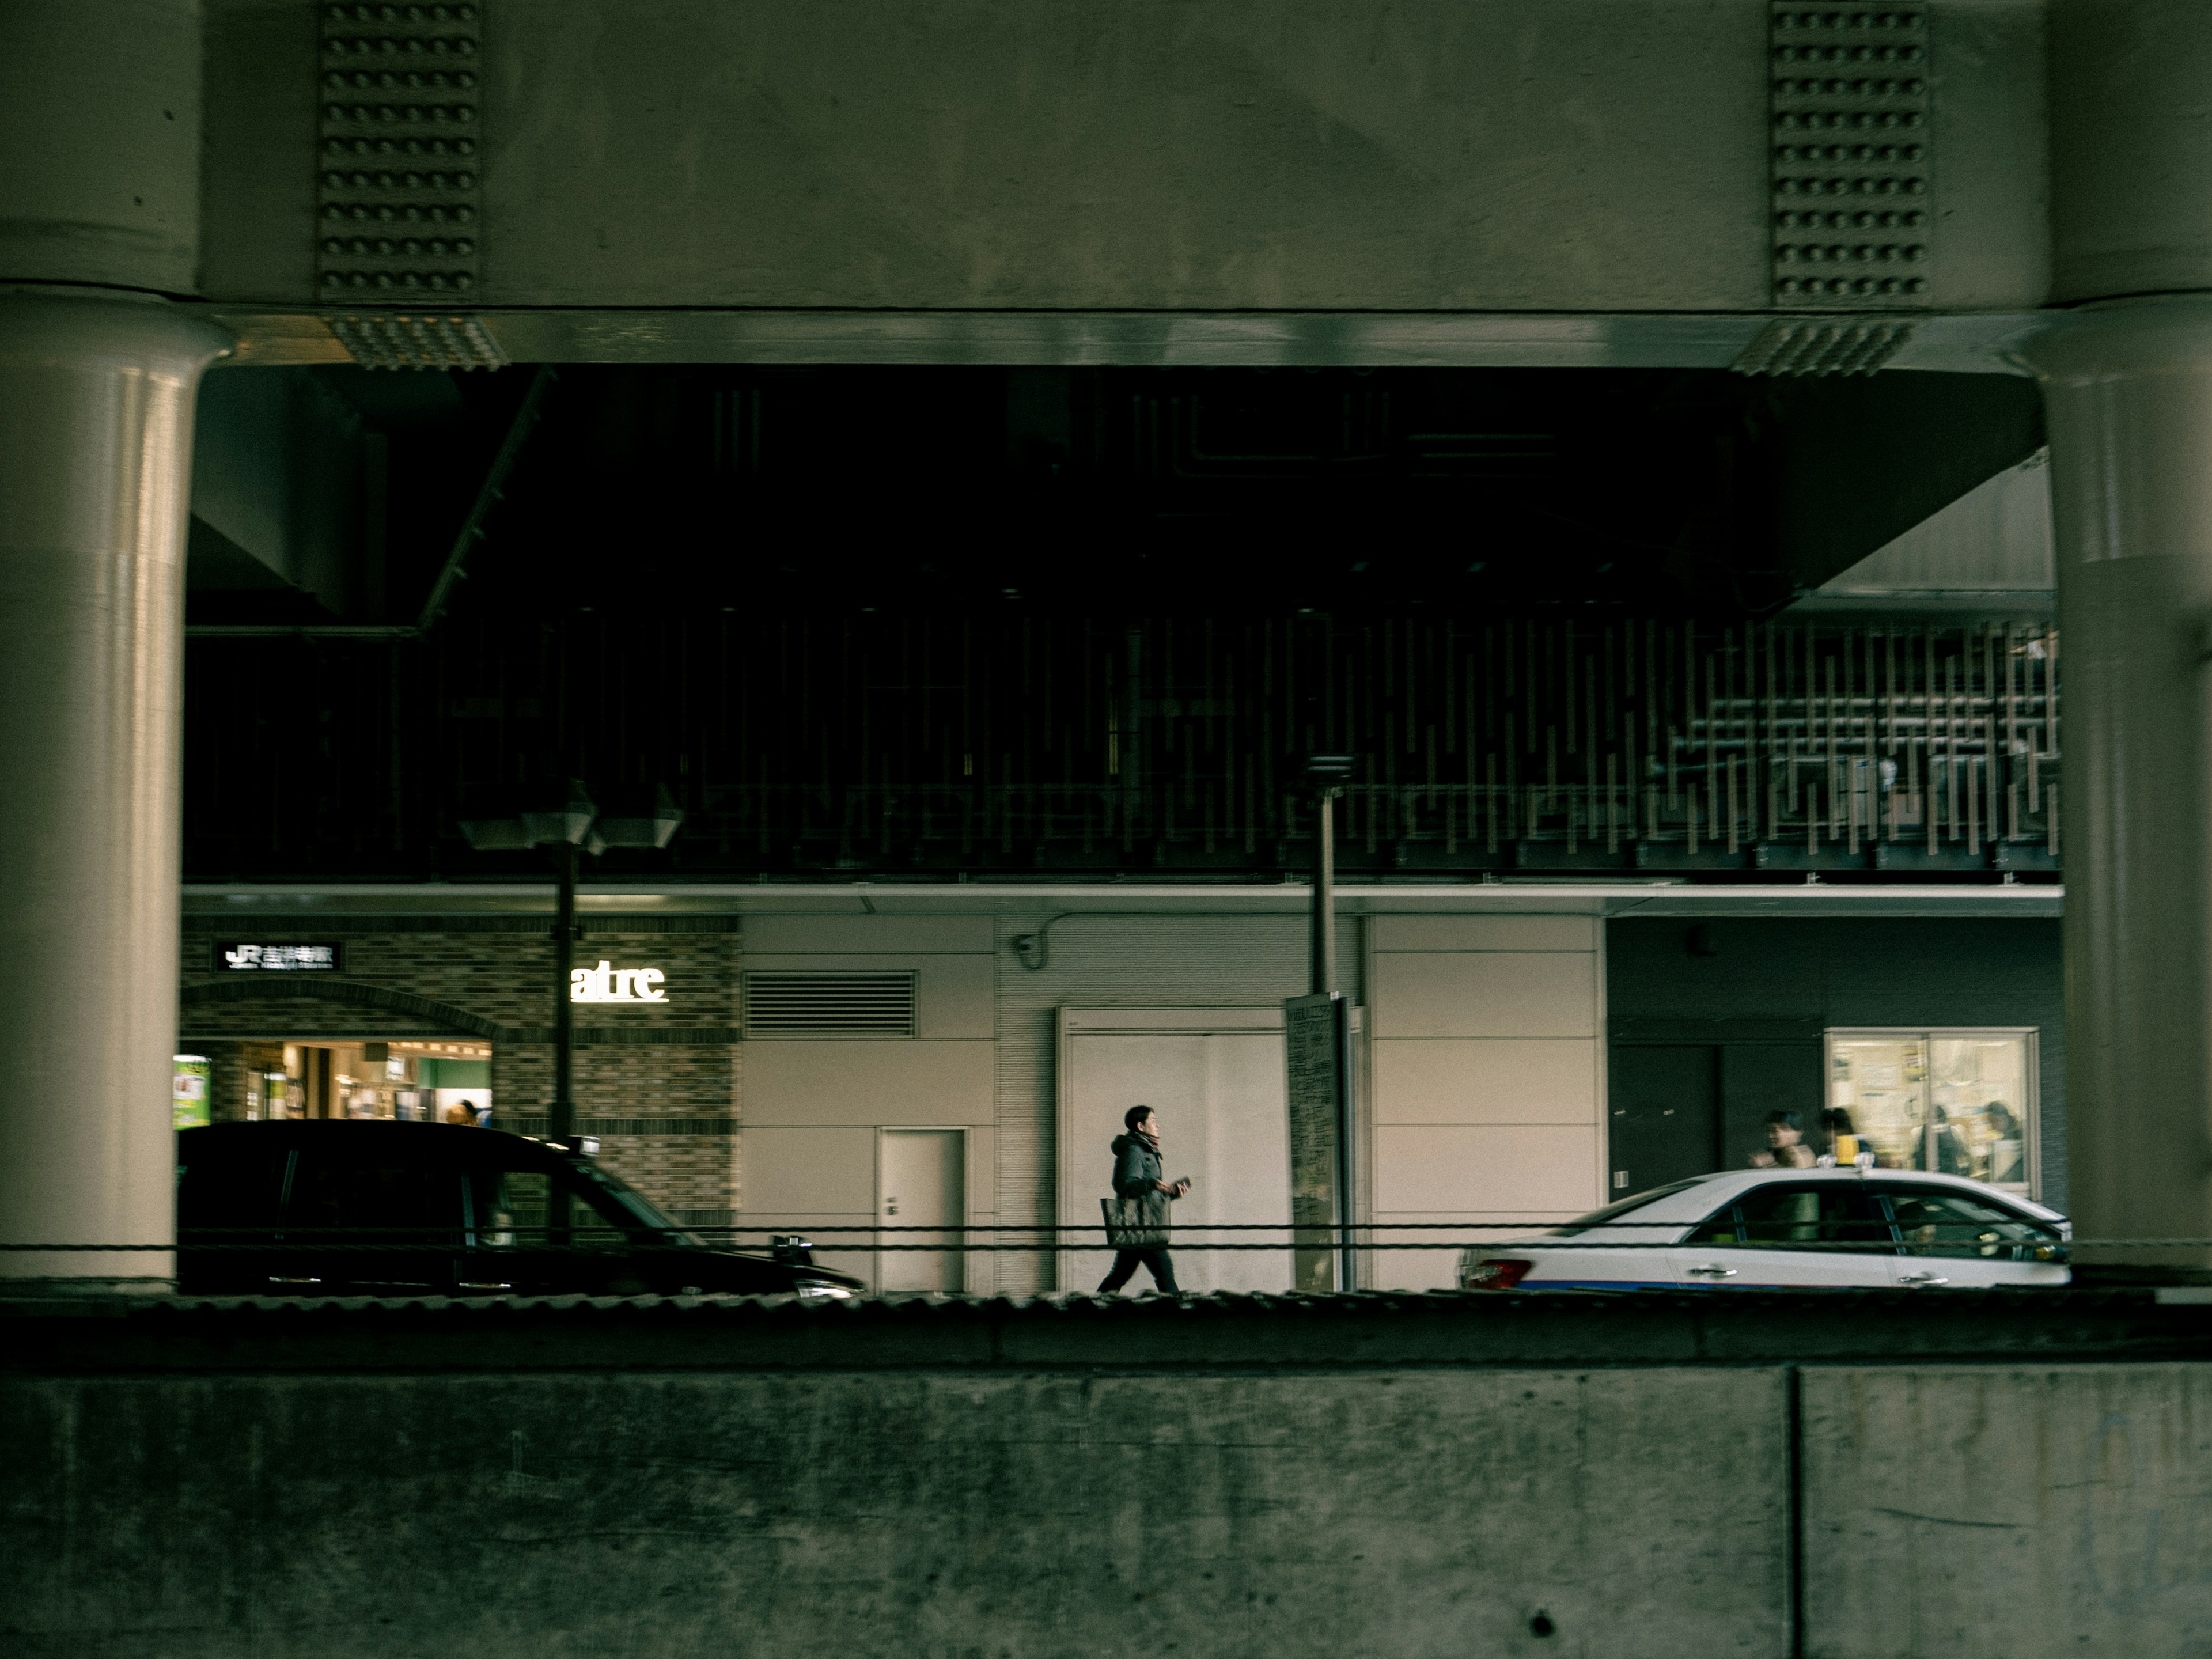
839 1060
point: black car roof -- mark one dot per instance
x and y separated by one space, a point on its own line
461 1139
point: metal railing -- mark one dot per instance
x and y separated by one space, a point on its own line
1033 1238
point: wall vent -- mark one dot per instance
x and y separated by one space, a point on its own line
410 341
832 1004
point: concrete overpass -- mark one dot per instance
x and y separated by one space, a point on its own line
1975 188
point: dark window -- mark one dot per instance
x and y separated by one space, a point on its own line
1831 1214
237 1185
512 1207
1932 1222
347 1199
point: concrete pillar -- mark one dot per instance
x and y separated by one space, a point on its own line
95 449
2129 392
99 111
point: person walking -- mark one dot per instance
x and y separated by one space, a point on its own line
1139 1177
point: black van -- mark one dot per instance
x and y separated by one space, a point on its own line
380 1208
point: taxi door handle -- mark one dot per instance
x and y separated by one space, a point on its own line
1922 1279
1711 1270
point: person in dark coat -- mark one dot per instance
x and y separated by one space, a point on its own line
1137 1172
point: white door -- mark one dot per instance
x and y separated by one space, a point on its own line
922 1180
1223 1124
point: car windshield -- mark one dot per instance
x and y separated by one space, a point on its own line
1614 1210
633 1206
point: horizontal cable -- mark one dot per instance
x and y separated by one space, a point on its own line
1316 1239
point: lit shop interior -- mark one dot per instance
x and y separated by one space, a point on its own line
415 1080
1959 1103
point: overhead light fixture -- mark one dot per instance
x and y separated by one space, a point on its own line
653 828
570 822
496 835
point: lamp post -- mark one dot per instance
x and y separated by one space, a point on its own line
573 825
1317 1048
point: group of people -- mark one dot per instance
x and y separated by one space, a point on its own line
1786 1147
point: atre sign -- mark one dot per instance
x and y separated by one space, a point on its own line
607 983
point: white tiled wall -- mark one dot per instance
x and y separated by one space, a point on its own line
1481 1094
810 1108
1487 1077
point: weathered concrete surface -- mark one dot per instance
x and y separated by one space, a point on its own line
1444 1512
2001 1511
2005 1473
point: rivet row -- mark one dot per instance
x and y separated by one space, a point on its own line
394 80
458 45
459 213
1912 88
408 247
1789 153
1864 253
1862 287
399 180
1851 186
399 147
1860 221
1849 54
1847 20
439 281
401 13
435 113
1862 120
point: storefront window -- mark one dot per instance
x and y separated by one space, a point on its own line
433 1079
1953 1102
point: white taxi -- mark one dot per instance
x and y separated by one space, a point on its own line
1840 1228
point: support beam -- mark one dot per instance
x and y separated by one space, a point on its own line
95 451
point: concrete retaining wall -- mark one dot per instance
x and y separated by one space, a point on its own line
1209 1481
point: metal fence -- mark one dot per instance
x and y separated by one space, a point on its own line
901 744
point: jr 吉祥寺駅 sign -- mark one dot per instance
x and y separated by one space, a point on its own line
607 983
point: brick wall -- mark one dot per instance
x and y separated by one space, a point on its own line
677 1100
233 1067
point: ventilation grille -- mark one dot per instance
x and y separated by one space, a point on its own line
416 341
829 1005
1835 347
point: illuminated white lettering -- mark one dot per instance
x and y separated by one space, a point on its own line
608 984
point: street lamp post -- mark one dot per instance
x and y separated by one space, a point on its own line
575 824
561 1113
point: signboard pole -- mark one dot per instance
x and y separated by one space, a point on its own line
1317 1052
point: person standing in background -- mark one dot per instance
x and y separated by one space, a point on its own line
1785 1147
2007 1147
